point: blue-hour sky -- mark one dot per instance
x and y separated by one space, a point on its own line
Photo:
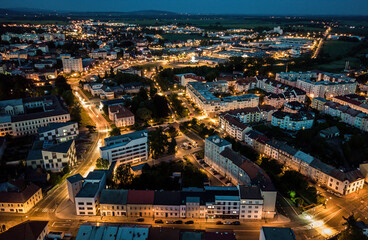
247 7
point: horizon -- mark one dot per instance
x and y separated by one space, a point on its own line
232 7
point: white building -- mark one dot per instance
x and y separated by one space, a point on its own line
58 156
59 132
72 65
113 202
292 121
128 148
251 202
75 184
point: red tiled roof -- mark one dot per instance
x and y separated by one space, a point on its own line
120 111
140 197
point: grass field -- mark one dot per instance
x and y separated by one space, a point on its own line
338 48
86 120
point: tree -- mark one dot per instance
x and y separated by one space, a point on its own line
123 175
75 112
352 231
66 169
102 163
144 114
157 142
115 132
172 146
91 129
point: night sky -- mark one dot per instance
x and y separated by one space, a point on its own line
247 7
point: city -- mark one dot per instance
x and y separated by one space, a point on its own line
154 124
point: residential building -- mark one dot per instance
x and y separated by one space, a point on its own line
232 126
20 117
318 103
330 132
245 84
75 184
29 230
352 103
134 87
223 202
58 156
251 202
167 204
72 65
276 233
59 132
202 95
126 149
19 197
278 100
293 107
185 79
121 115
140 203
293 121
113 202
326 89
240 171
87 199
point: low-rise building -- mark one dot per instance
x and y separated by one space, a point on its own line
121 115
292 121
19 197
126 149
58 156
140 203
75 184
167 204
29 230
113 202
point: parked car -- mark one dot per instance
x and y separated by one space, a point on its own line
169 222
159 221
219 223
178 222
140 220
227 223
235 223
189 222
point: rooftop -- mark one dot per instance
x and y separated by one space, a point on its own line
277 233
89 190
114 196
30 230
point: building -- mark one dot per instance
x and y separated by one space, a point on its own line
251 202
278 100
20 117
352 103
121 115
58 156
134 87
326 89
292 121
59 132
232 126
126 149
202 95
75 184
224 201
276 233
186 78
87 199
240 171
330 132
261 113
167 204
19 197
72 65
112 231
318 103
29 230
113 202
140 203
245 84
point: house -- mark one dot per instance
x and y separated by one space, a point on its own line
121 115
167 204
29 230
19 197
113 202
140 203
330 132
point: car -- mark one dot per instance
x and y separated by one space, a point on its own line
189 222
140 220
169 222
159 221
235 223
227 223
178 222
219 223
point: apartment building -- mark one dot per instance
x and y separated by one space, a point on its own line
20 117
318 103
113 202
128 148
326 89
278 100
121 115
245 84
59 132
224 201
140 203
202 95
87 199
251 202
72 65
19 197
252 114
240 171
75 184
232 126
352 103
272 86
292 121
290 78
186 78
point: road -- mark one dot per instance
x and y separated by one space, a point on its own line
320 44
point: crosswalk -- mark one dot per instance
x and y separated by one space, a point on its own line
44 210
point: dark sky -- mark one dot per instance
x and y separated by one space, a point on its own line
262 7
